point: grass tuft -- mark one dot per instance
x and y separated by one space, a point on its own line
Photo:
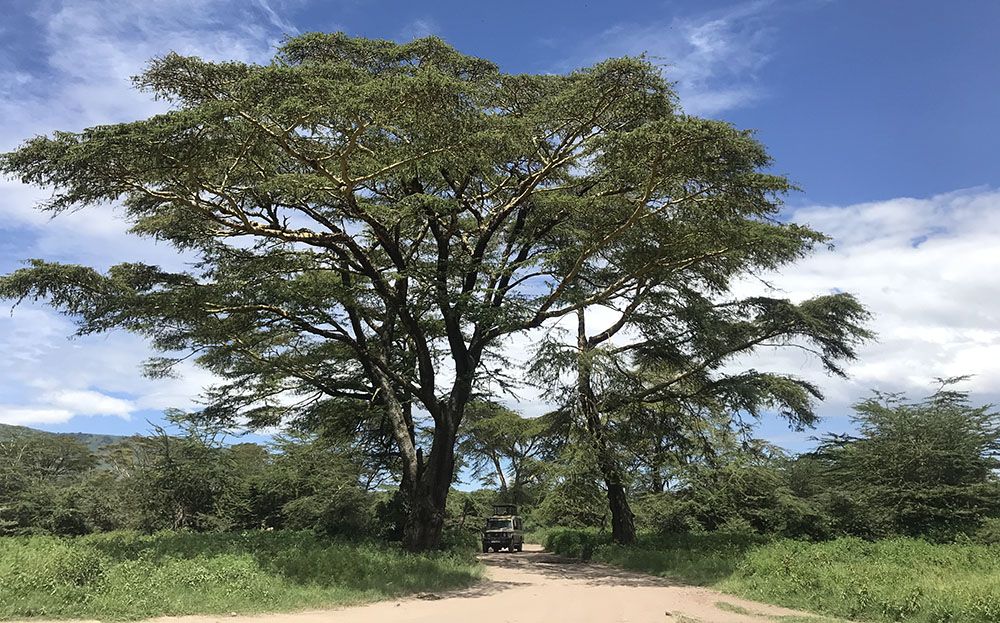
734 608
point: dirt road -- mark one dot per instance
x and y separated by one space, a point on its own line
537 587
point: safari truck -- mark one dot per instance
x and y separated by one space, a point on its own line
504 530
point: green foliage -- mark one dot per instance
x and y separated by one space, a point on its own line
575 543
575 498
122 575
42 487
914 469
315 482
750 496
988 532
502 448
665 513
55 485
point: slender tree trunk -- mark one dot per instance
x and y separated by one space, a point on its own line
622 518
656 466
501 479
656 486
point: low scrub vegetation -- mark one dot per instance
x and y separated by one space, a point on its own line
124 575
900 579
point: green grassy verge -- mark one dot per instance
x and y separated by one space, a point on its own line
128 576
893 580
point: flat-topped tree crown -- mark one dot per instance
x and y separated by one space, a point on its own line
365 213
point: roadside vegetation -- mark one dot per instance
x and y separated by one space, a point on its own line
899 579
124 575
898 523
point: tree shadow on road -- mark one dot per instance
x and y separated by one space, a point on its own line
552 566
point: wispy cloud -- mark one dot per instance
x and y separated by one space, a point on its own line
423 27
91 48
713 57
276 19
917 263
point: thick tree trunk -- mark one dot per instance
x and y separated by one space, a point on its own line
428 496
425 519
622 518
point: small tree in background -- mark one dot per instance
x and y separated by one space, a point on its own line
500 446
38 477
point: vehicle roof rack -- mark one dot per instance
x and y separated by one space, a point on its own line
505 509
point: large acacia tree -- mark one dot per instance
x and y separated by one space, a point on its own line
371 220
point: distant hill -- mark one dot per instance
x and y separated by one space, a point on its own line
91 440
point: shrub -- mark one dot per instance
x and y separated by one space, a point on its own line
575 543
988 532
923 468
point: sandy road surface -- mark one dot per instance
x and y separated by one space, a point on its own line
536 587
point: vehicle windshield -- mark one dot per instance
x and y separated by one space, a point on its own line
498 524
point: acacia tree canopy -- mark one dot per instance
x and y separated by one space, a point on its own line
372 219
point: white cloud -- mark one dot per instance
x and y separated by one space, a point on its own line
924 268
89 402
45 373
273 15
94 47
95 236
25 416
712 57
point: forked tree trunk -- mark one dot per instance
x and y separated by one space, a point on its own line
424 483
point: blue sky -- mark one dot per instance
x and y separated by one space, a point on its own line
883 112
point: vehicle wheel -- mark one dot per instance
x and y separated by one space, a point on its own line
485 549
